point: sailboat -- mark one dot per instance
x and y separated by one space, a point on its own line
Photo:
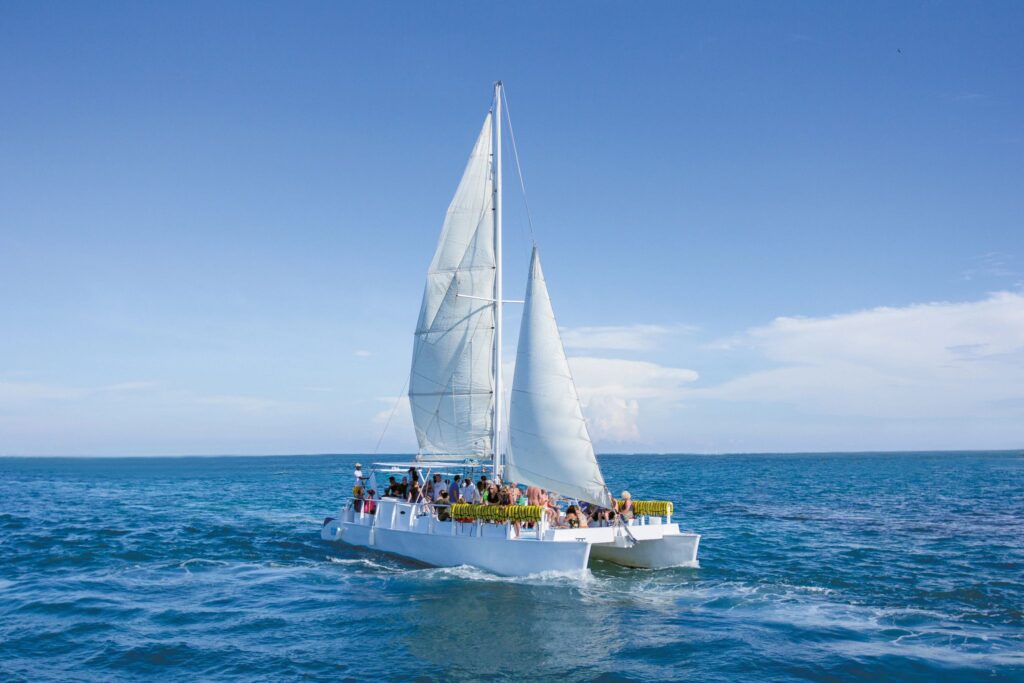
457 402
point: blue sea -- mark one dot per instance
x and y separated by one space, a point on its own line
813 567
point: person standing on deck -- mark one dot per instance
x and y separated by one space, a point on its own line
357 484
433 487
625 506
468 492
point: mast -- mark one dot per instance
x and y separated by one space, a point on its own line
497 283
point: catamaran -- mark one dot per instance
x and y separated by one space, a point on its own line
457 402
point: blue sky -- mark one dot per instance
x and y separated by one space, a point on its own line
795 226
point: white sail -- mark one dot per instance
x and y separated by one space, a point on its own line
549 443
451 386
455 392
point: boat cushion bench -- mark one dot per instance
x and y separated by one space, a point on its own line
655 508
498 513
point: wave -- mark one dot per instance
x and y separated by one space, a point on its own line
895 569
363 562
201 561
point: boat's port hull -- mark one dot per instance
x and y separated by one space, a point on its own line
499 555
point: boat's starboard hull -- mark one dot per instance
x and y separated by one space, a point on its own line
668 551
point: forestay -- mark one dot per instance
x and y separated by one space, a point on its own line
549 443
451 383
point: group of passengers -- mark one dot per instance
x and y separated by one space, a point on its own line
440 494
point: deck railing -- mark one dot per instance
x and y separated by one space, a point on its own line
643 511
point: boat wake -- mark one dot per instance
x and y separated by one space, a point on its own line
470 573
363 563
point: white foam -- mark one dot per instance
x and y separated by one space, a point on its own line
303 519
200 560
361 562
470 573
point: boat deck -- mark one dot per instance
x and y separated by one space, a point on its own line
418 518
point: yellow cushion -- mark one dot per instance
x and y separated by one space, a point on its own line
655 508
498 513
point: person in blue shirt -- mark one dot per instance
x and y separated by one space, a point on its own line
453 490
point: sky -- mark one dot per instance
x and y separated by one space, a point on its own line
765 227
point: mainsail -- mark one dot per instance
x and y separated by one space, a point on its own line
549 443
451 386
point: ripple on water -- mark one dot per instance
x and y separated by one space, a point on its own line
813 567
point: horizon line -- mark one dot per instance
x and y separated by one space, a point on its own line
1017 450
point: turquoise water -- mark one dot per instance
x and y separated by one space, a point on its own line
814 567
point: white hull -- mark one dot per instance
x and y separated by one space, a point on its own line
403 529
679 550
496 555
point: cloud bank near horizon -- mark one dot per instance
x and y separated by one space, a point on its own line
930 375
942 363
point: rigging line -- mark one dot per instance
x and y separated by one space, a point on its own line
519 169
394 409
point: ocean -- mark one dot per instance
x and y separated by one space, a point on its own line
829 567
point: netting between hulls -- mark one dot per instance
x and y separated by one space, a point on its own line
654 508
498 513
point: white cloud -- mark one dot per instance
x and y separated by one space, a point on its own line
397 411
611 418
130 386
141 418
17 393
627 378
993 265
612 389
362 353
925 375
12 393
922 361
619 337
244 404
392 429
933 375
